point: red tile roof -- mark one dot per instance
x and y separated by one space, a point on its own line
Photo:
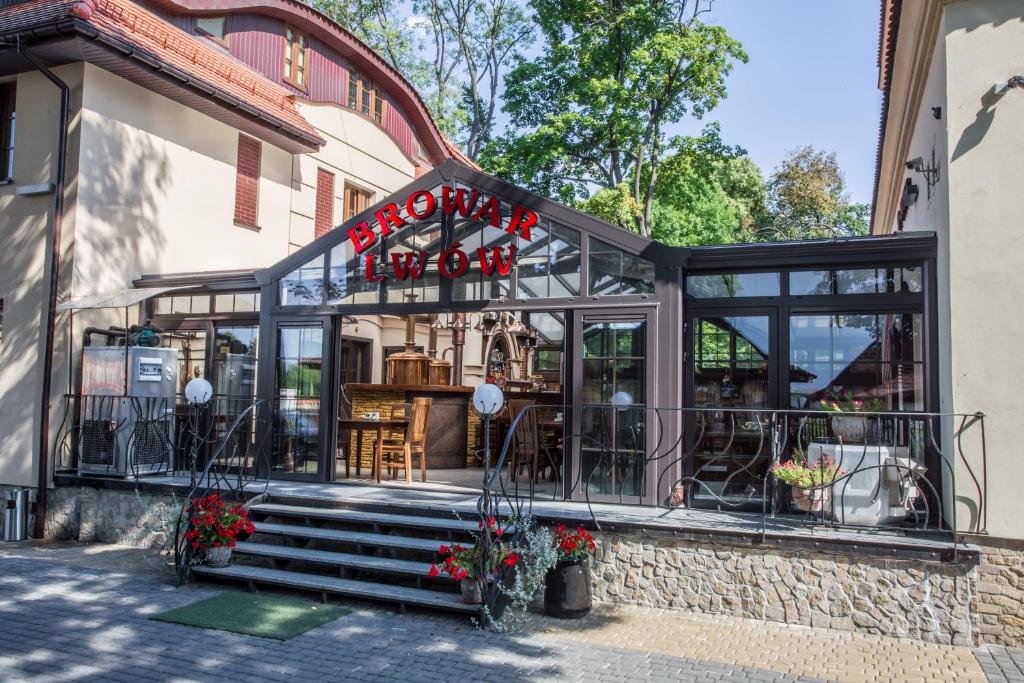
166 43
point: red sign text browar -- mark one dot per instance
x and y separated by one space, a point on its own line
452 262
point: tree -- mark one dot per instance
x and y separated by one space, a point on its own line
706 193
595 105
380 24
475 40
807 199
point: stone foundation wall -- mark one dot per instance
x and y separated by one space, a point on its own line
912 598
968 602
112 516
998 603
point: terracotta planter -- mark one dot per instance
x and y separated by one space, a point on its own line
567 589
218 557
472 591
850 428
812 500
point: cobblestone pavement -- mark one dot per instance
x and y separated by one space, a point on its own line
80 612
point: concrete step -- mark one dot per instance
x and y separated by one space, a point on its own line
427 545
383 565
327 584
444 524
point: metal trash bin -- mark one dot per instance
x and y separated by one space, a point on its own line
16 514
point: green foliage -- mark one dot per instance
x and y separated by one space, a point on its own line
593 106
807 199
615 205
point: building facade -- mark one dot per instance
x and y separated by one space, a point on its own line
949 158
202 136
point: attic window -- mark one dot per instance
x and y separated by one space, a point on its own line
295 57
215 27
365 97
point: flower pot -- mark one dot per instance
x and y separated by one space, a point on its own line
567 589
850 428
812 500
472 591
218 557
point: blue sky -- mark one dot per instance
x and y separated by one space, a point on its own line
811 79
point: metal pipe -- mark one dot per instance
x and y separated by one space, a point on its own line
39 525
458 342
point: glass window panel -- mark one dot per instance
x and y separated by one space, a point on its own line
297 399
181 304
163 305
613 363
304 285
731 285
860 281
605 267
810 282
224 303
347 283
201 304
637 275
907 279
873 357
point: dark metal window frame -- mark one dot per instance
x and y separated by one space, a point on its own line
8 114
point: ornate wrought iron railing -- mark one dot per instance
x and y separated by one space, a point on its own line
238 468
905 471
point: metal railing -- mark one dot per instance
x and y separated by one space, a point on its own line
907 471
238 469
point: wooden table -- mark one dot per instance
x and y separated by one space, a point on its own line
360 425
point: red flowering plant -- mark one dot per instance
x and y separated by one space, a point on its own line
213 524
465 562
573 544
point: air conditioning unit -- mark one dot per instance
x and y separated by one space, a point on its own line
126 425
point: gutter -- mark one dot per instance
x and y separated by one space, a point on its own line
39 525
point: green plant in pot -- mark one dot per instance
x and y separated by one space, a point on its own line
567 591
810 484
847 424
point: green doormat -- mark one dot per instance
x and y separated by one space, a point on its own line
253 614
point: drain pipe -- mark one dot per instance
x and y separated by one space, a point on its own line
39 525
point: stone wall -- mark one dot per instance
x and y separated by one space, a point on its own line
911 598
112 516
999 601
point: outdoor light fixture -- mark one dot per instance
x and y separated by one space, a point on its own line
1000 87
198 391
910 194
622 399
930 173
488 399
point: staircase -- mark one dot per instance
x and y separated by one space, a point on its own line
351 552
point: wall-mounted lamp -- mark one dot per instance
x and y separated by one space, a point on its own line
930 173
910 194
1000 87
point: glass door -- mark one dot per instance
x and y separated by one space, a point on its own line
299 400
731 381
613 385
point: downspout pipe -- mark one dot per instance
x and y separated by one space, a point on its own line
39 525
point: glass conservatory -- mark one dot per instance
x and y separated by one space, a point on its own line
647 368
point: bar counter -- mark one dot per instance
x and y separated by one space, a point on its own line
452 427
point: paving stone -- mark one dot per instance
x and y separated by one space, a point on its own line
81 611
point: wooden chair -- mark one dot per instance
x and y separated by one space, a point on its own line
413 443
525 448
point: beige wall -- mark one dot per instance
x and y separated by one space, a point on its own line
26 225
976 212
984 44
357 152
154 194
